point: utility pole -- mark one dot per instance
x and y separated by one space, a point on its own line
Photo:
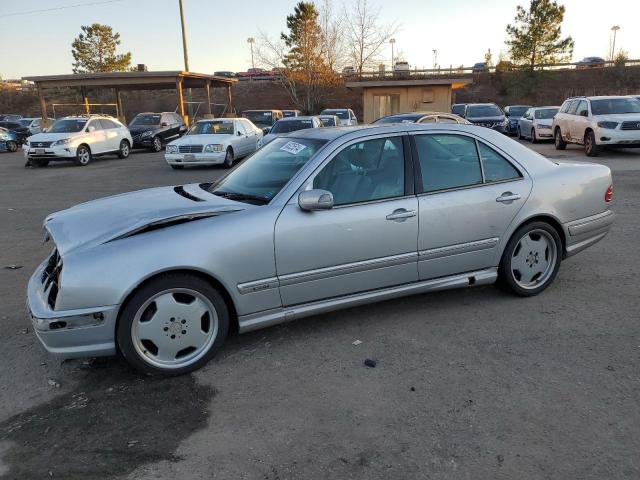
184 38
392 41
614 29
435 58
251 41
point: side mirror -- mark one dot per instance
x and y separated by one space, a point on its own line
311 200
91 128
164 124
239 133
584 113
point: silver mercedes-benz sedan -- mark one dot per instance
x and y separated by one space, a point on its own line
322 219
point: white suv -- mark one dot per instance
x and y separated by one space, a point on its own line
80 139
346 115
596 122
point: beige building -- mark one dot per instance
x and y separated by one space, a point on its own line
387 97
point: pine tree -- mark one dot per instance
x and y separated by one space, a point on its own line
95 51
536 37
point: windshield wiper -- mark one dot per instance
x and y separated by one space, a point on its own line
241 197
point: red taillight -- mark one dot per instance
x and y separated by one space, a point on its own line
608 195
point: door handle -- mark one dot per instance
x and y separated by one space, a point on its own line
400 215
508 197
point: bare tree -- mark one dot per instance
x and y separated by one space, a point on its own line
332 29
366 35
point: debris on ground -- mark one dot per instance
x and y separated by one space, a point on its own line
370 363
500 458
132 443
24 331
356 342
610 368
13 267
413 389
53 383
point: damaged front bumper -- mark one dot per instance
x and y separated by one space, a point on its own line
87 332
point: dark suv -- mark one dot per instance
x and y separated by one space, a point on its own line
515 113
153 130
487 115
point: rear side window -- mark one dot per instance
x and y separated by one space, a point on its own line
448 161
496 167
108 124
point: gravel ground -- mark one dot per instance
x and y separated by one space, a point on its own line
469 384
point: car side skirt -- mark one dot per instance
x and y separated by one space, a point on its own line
275 316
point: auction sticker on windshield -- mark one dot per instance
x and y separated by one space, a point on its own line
293 148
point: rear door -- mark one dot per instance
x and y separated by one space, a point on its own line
367 241
112 134
469 194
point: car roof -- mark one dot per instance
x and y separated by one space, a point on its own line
543 108
261 110
298 118
335 109
527 106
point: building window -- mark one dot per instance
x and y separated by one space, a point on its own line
385 105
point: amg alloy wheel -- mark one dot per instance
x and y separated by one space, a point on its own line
173 325
228 158
531 259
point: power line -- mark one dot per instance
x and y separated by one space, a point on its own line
64 7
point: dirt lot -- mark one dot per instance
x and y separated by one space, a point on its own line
470 384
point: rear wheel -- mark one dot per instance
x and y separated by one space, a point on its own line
12 146
228 158
83 155
124 150
40 163
173 325
156 144
559 141
519 133
590 146
177 167
531 260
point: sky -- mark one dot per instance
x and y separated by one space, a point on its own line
460 30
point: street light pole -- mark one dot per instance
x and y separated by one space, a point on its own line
392 41
251 41
184 37
614 29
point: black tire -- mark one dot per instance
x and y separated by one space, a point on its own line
228 158
177 167
519 134
590 146
533 136
125 149
149 290
156 144
83 155
40 162
559 141
506 276
12 146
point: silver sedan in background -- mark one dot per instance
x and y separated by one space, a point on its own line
318 220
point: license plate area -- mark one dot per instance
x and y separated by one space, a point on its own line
39 151
189 157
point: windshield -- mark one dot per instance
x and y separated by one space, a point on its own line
328 121
219 127
288 113
259 117
267 171
145 119
68 125
399 119
483 111
518 111
546 113
343 114
458 109
615 106
25 122
291 126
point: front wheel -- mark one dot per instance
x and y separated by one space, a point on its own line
590 146
519 134
156 144
173 325
559 141
531 260
12 146
228 158
83 155
177 167
124 150
533 136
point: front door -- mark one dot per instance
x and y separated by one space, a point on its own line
470 194
367 241
580 122
98 138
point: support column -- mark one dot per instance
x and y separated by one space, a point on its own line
181 100
229 102
207 87
120 110
85 100
44 121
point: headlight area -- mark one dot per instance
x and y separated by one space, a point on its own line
62 142
146 134
172 149
216 147
608 125
544 127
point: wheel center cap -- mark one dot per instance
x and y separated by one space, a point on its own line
532 259
175 328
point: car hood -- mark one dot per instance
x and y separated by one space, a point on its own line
202 139
486 119
269 137
52 137
137 130
618 117
100 221
544 121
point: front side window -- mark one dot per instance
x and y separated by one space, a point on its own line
496 167
365 171
94 125
259 178
582 109
448 161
